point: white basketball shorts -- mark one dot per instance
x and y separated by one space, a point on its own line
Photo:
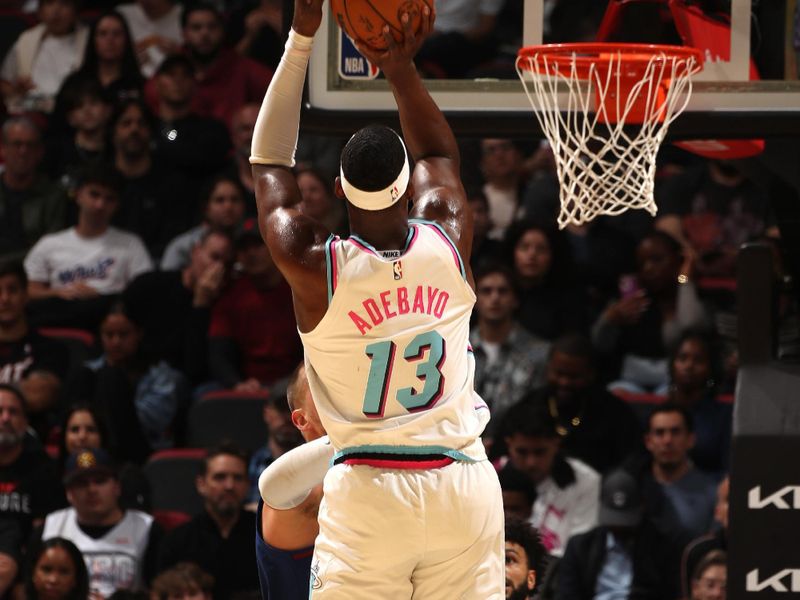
398 534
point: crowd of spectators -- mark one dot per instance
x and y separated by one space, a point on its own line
126 213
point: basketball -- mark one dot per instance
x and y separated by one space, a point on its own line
364 19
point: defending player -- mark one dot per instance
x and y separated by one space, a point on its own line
412 508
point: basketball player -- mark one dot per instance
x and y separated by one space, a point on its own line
411 507
285 538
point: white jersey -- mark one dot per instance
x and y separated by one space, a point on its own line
389 365
114 561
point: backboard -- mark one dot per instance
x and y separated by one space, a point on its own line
748 88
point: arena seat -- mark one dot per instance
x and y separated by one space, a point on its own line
170 519
80 343
230 415
171 474
641 403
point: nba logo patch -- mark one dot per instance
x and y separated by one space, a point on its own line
397 269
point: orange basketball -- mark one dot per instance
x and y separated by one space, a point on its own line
364 19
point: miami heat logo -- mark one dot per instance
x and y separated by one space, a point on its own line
397 269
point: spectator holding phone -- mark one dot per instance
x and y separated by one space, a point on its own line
655 307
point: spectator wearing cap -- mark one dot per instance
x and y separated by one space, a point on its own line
173 307
567 489
30 204
220 539
156 203
624 556
223 208
526 559
38 365
43 56
29 486
193 144
118 545
226 80
595 426
253 338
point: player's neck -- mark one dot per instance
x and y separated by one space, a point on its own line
386 234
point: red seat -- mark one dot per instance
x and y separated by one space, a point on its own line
65 333
170 519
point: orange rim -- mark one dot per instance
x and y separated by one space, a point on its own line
634 57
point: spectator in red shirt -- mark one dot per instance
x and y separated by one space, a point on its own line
253 338
225 79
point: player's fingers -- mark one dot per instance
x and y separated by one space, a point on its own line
405 22
428 17
387 35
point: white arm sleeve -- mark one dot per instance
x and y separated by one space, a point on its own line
275 133
288 481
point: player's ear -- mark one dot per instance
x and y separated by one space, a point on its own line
299 419
337 188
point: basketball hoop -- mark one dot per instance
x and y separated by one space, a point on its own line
603 166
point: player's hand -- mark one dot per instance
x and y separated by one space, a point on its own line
628 310
307 16
398 55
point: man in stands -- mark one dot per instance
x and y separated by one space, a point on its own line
624 556
253 338
29 486
567 489
678 493
30 205
220 539
36 364
595 426
509 361
196 145
225 80
119 545
174 307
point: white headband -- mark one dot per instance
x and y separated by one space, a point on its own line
382 198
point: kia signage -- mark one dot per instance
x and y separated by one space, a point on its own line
764 547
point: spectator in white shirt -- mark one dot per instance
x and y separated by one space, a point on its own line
567 490
91 258
42 56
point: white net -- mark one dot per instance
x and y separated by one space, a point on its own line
603 166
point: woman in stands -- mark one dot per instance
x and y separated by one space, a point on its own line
83 429
655 307
56 571
550 302
140 401
695 371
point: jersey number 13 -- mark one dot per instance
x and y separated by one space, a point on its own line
430 346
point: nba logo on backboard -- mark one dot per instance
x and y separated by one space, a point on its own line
351 64
397 267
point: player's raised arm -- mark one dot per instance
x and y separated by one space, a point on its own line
438 192
294 240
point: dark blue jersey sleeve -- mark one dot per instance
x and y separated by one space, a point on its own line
282 574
